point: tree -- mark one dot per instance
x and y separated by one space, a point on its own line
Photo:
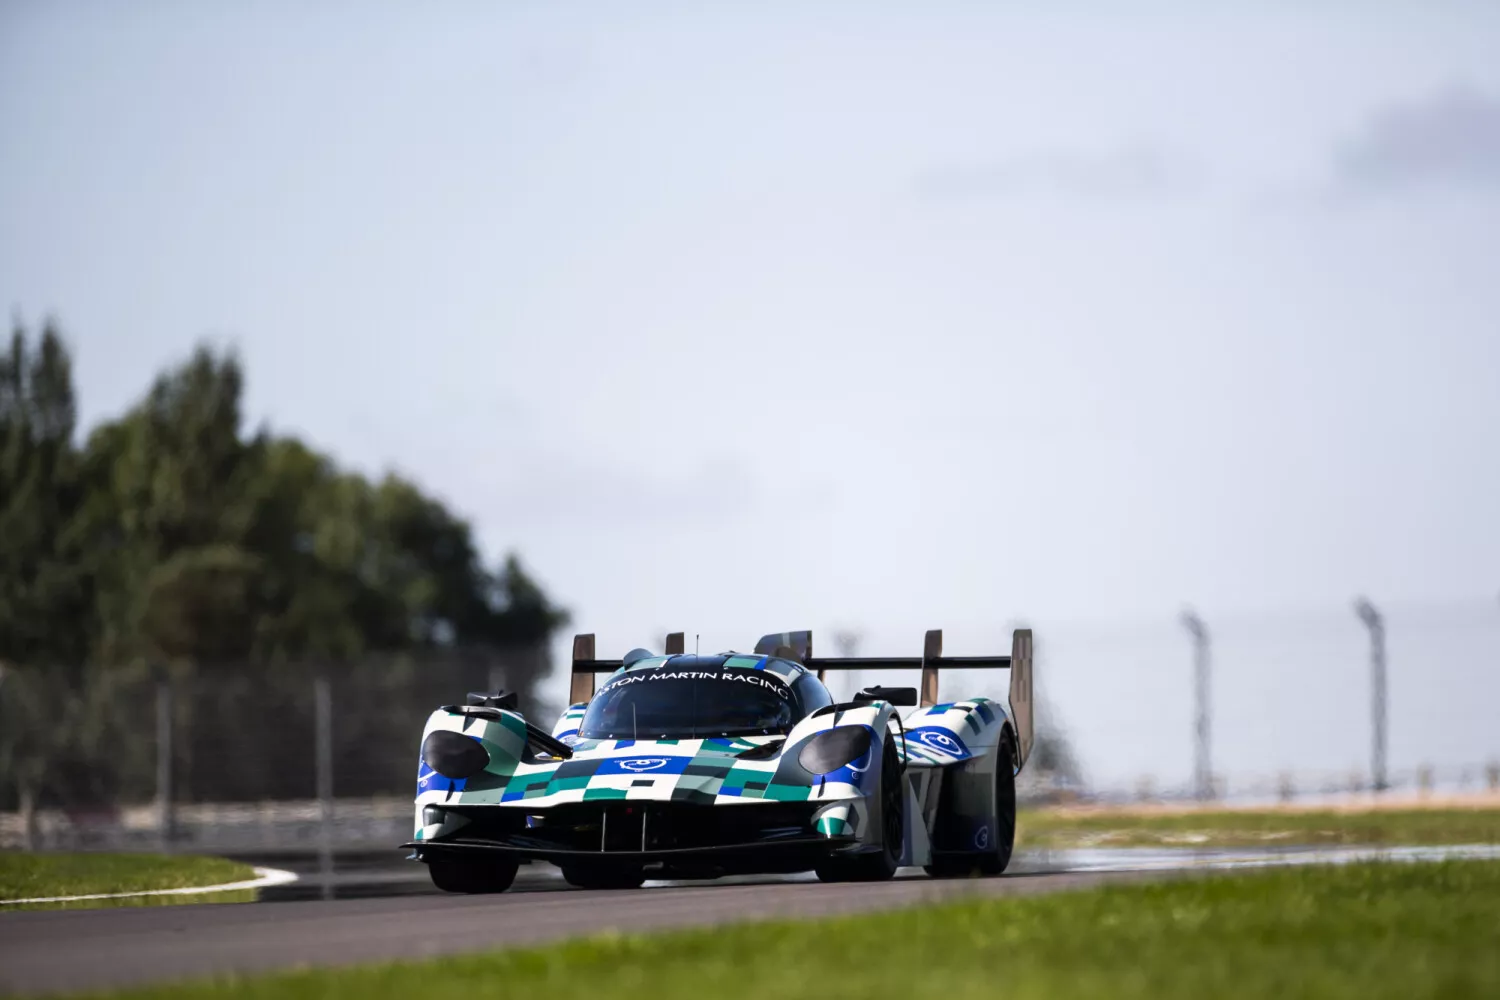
172 540
43 589
523 613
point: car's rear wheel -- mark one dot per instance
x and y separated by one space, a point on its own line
1003 836
603 877
472 875
877 866
999 839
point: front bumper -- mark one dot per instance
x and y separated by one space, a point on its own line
674 836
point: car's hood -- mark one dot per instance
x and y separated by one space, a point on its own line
741 768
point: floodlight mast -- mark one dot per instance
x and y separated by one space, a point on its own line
848 642
1203 784
1378 711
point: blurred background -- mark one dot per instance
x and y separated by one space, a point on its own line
362 353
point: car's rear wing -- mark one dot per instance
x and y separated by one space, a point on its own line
797 646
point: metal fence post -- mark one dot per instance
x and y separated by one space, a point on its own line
27 804
165 813
1376 624
1203 787
25 798
848 642
323 716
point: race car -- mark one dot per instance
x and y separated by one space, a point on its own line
683 766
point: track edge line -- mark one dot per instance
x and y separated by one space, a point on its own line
264 877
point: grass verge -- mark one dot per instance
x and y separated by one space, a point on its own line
1064 828
25 875
1363 931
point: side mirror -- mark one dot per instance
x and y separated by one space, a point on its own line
508 700
904 697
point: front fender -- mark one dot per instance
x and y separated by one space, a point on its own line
566 728
503 738
876 715
855 780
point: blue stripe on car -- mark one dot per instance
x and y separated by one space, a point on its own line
939 739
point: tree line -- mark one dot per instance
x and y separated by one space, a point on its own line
169 541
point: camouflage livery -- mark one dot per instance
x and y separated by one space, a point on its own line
938 767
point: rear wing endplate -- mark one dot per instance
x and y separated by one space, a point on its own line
1022 707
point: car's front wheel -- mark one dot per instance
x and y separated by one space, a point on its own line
877 866
472 875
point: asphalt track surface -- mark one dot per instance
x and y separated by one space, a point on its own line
380 912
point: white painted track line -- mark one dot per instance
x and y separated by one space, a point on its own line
263 877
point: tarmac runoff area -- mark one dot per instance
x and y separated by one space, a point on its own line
380 908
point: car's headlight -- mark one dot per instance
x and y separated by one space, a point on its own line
833 748
454 755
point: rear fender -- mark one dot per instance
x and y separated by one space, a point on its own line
951 755
953 733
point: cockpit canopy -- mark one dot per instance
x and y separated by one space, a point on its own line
698 697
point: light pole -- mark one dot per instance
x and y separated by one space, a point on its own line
848 643
1376 624
1203 787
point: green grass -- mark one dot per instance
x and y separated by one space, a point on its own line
1362 931
25 875
1044 828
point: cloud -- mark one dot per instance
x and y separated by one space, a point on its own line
1451 138
1137 171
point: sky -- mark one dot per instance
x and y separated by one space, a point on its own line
878 317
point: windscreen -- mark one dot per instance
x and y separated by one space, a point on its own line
690 704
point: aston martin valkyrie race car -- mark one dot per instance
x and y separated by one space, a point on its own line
684 766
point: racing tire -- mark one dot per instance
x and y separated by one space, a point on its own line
995 859
590 877
472 876
877 866
1003 838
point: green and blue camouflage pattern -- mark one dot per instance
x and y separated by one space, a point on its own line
711 771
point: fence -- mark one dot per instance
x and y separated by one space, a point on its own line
1474 782
1297 705
230 755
